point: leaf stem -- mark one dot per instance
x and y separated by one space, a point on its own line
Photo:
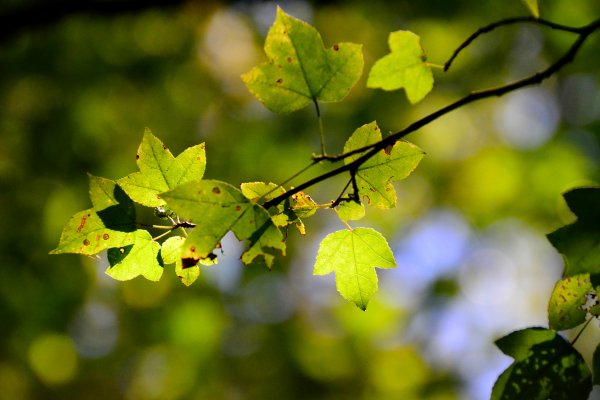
162 235
321 130
581 331
437 66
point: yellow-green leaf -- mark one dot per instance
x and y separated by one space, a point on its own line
300 70
110 223
353 256
374 177
405 67
160 171
139 258
350 210
565 307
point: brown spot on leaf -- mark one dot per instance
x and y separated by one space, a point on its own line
279 66
216 190
336 47
193 249
280 81
82 224
165 147
238 208
211 257
218 246
202 146
188 262
137 156
86 242
106 236
290 59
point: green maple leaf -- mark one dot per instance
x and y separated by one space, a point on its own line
171 254
300 70
216 208
353 256
545 367
109 223
160 171
374 176
579 243
532 5
405 67
565 307
139 258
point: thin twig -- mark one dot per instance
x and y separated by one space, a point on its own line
340 198
370 150
505 22
303 170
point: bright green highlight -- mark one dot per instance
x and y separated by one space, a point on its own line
160 171
216 208
405 67
353 256
375 175
53 358
579 242
300 70
140 258
545 367
568 296
532 5
110 223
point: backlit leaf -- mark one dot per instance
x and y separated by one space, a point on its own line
579 242
546 366
353 256
160 171
350 210
405 67
139 258
565 306
216 208
300 70
110 223
374 177
171 254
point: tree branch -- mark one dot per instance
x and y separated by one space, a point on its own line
505 22
371 150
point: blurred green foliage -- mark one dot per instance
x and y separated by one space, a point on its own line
75 97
